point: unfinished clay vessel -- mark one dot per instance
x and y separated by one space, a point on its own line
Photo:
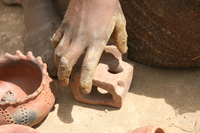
111 80
149 129
15 128
26 91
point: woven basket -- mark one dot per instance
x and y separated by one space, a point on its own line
163 33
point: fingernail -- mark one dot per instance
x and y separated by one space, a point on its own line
55 40
85 88
64 82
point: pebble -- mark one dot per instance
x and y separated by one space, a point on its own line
106 111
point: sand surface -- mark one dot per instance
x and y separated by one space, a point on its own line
169 97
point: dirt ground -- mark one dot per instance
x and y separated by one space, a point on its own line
169 97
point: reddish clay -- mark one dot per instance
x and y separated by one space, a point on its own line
15 128
111 80
26 90
149 129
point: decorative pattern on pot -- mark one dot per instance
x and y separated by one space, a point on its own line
27 92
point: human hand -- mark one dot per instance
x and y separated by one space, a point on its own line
86 28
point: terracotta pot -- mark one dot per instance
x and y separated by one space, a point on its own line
26 90
15 128
149 129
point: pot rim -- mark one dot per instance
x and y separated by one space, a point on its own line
43 69
17 127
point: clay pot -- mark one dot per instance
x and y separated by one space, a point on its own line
26 91
149 129
15 128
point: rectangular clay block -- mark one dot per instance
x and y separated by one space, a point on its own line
111 80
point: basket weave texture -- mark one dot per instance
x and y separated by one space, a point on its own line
163 33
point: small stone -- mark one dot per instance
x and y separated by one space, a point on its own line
106 111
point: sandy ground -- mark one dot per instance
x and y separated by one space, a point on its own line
169 97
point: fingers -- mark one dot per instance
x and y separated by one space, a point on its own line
120 35
67 61
89 64
51 65
61 48
57 36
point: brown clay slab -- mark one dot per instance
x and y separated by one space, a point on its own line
111 80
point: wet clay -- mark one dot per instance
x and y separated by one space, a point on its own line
163 33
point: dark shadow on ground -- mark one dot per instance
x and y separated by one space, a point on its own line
66 101
178 87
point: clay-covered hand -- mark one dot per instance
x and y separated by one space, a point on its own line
86 28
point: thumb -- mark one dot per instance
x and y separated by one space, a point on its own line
120 35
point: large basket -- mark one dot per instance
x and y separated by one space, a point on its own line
164 33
